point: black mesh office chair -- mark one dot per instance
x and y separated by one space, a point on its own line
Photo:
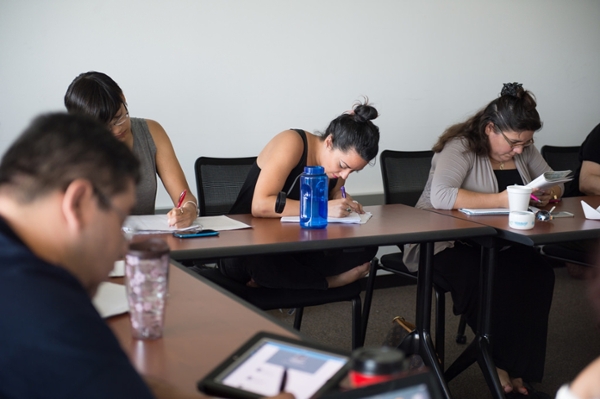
562 158
405 174
219 181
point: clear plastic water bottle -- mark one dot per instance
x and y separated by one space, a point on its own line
314 194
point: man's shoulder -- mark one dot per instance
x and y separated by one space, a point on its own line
53 330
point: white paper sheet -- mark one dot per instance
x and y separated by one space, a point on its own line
118 270
352 218
111 299
549 179
221 223
590 213
156 224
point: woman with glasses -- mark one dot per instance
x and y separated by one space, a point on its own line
474 162
97 95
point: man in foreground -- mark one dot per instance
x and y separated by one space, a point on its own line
66 186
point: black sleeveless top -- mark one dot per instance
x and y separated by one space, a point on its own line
243 203
507 178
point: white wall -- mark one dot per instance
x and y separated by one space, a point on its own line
223 76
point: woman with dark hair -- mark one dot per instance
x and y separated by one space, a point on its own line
474 162
95 94
350 142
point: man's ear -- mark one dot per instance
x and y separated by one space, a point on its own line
77 204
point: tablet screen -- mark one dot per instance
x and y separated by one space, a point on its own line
271 366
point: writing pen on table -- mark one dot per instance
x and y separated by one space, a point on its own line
283 381
181 198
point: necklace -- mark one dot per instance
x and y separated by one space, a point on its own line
501 164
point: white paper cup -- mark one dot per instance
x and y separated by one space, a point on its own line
518 198
521 220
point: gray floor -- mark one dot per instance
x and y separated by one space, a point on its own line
573 339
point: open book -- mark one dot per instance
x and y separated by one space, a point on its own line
549 179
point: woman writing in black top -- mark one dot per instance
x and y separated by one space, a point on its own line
349 143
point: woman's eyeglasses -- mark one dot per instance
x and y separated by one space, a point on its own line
514 144
121 120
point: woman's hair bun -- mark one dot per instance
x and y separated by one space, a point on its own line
512 89
363 112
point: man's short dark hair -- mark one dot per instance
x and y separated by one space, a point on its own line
59 148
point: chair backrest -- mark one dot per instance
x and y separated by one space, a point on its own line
218 182
564 158
561 158
405 174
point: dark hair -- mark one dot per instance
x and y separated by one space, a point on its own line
59 148
94 94
354 131
514 109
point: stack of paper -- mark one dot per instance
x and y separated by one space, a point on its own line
354 217
549 179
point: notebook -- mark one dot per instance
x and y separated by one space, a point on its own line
488 211
352 218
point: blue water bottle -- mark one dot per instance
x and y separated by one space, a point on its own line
314 194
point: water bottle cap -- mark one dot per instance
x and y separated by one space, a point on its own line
378 361
314 170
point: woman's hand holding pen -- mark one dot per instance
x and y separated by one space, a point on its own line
342 207
180 219
184 214
540 198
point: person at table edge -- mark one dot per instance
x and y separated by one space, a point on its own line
66 186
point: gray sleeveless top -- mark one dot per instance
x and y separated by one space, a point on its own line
145 150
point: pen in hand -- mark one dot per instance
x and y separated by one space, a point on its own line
181 198
343 190
533 197
283 380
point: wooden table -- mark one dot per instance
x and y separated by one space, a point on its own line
203 326
389 225
555 231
